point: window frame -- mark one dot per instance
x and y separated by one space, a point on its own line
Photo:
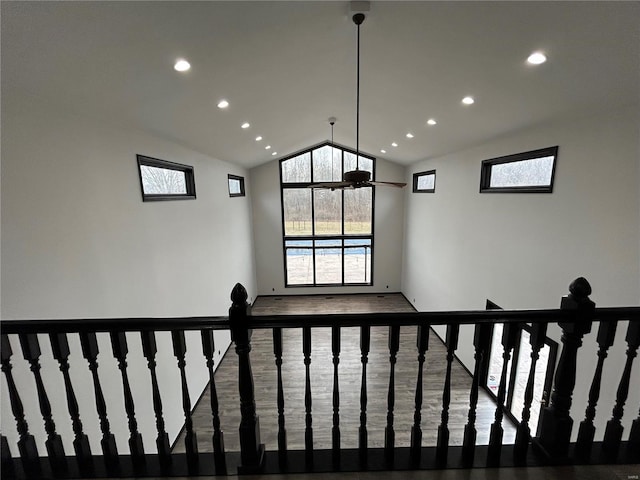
416 177
485 171
241 180
313 237
189 178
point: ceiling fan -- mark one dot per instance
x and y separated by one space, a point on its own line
355 178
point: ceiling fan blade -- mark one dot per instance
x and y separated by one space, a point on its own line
389 184
331 185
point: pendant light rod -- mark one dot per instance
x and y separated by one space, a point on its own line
332 121
358 18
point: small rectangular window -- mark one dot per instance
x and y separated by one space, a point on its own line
164 180
424 182
236 186
523 172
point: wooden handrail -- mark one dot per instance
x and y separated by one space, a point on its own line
461 317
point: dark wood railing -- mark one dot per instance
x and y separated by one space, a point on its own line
552 446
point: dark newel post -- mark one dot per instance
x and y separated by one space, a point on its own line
422 343
537 336
389 434
31 353
556 423
335 430
60 348
613 432
443 429
282 431
365 344
26 443
149 349
190 438
606 336
482 343
510 335
120 350
208 350
90 351
252 451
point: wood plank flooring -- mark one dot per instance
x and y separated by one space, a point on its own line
264 373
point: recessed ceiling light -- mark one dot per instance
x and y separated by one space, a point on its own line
274 153
182 65
468 100
258 138
245 125
394 144
536 58
267 147
383 151
223 104
409 135
431 121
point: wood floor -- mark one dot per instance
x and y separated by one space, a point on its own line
264 373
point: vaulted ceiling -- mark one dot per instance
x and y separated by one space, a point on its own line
285 67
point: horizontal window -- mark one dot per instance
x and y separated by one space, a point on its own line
164 180
424 182
523 172
334 261
236 186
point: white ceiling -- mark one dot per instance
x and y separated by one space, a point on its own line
286 67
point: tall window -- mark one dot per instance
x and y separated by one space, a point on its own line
327 234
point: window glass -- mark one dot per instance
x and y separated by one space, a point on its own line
364 163
296 203
357 211
527 173
327 206
328 265
297 169
357 261
157 180
299 262
327 164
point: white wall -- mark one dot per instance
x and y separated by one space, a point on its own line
78 242
523 250
267 230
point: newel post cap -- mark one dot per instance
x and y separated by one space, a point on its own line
238 314
239 295
579 301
